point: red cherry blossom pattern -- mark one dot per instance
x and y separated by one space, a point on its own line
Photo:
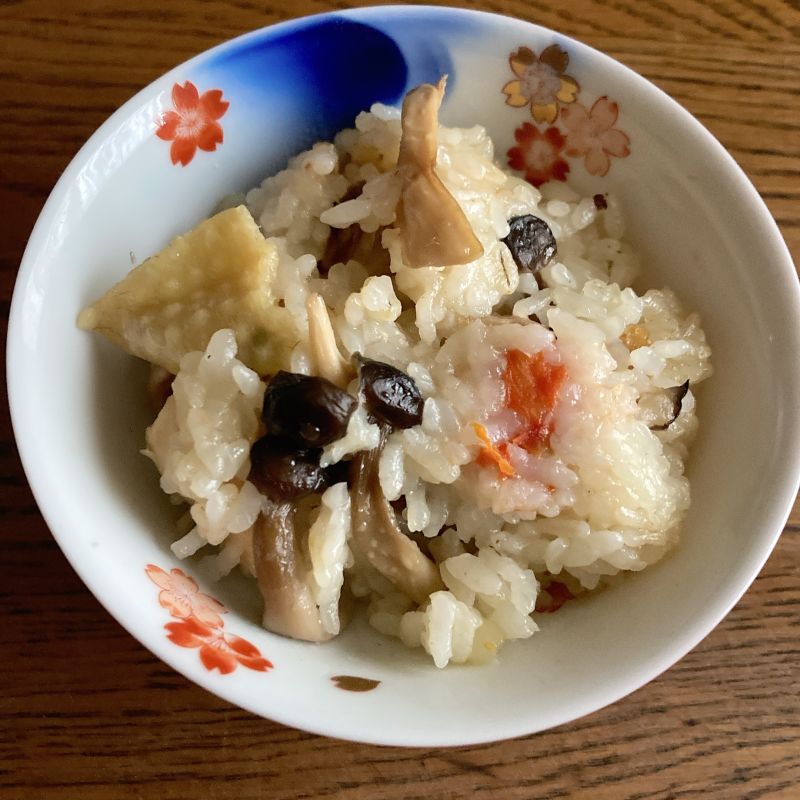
218 650
538 154
193 124
199 624
574 130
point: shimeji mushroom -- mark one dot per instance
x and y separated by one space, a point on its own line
393 401
301 413
378 536
328 362
285 475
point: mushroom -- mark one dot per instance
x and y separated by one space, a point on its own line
285 474
531 243
433 228
285 468
354 243
305 409
289 607
302 413
393 400
678 394
328 361
377 534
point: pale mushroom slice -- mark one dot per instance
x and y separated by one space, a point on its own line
434 230
289 607
378 537
328 362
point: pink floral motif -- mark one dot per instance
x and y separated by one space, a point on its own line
538 154
193 123
181 596
200 625
541 85
218 650
591 134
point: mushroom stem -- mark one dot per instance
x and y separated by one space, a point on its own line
377 534
434 230
289 607
328 361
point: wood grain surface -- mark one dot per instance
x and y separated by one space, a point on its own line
86 712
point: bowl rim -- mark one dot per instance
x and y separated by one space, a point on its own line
510 728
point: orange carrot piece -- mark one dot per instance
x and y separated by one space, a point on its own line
532 386
491 454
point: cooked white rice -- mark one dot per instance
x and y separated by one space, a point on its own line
606 497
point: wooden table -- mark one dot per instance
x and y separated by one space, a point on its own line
88 713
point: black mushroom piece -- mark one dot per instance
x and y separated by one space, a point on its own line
677 405
302 414
285 474
531 242
393 401
390 395
378 536
308 410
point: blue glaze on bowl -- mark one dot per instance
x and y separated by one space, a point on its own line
330 69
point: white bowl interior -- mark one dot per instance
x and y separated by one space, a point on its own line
79 407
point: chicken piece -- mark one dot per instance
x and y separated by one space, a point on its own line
434 230
219 275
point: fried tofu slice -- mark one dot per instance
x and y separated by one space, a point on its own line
219 275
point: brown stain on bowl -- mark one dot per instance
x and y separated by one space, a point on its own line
352 683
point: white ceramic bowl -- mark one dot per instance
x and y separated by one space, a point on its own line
79 407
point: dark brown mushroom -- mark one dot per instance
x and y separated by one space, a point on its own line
377 534
306 409
531 243
342 242
282 470
390 395
433 228
302 413
354 244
